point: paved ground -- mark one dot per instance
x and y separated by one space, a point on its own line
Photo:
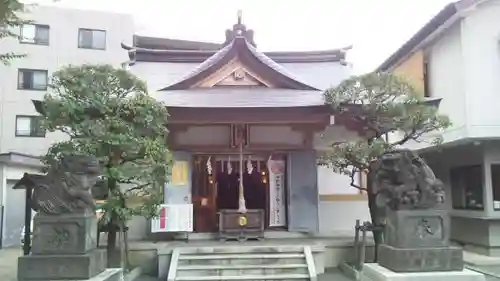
8 269
8 263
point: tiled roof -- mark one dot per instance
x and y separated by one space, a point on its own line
241 48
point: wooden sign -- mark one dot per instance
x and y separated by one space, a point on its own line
240 133
180 172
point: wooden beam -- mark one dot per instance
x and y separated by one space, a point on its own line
343 197
227 149
226 117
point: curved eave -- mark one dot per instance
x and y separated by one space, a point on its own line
435 102
172 55
356 108
258 62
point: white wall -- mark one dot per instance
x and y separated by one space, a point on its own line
62 50
464 70
481 53
337 217
446 72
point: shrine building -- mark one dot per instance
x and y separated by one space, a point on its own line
235 110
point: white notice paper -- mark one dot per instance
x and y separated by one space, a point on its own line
277 215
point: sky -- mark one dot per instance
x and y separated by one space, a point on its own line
375 28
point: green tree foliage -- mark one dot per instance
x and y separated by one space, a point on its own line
10 22
106 112
380 104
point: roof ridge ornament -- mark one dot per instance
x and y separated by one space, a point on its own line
239 30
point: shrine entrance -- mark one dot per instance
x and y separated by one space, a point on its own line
215 189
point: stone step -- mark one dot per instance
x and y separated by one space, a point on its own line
241 259
241 270
241 266
235 249
241 256
301 277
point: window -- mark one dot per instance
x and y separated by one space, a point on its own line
32 79
29 126
467 187
92 39
495 182
427 85
35 34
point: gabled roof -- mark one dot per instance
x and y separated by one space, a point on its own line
446 17
240 48
228 77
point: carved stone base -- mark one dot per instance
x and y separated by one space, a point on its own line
417 228
61 267
420 259
64 234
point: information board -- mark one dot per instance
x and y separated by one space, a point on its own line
173 218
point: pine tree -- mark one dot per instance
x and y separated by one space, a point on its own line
10 20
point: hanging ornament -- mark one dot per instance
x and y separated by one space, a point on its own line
249 165
229 166
209 165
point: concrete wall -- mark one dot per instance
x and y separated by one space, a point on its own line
441 162
61 51
13 202
476 230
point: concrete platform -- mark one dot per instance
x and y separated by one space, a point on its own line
110 274
480 260
375 272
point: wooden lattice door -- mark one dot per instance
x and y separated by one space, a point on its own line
204 190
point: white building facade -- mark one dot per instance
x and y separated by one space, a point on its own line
456 57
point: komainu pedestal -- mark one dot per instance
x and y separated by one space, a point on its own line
410 203
417 241
65 226
64 248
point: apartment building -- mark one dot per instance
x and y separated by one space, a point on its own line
56 38
456 57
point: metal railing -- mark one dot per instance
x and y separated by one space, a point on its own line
360 244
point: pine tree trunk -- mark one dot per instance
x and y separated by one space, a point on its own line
123 262
374 214
112 229
111 246
127 258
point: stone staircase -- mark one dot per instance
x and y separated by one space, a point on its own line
242 263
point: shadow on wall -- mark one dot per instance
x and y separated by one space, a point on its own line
13 216
337 218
